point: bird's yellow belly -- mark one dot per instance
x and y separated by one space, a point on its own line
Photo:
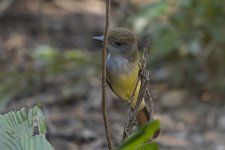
124 85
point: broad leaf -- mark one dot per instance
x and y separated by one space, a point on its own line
23 130
141 136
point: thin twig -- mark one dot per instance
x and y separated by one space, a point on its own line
149 98
125 133
143 63
142 93
104 111
151 105
132 119
144 89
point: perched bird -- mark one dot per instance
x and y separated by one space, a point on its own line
123 68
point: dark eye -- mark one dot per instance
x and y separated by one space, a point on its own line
119 43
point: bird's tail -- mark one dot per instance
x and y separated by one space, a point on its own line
143 116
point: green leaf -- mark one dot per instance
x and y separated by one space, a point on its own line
149 146
141 136
23 130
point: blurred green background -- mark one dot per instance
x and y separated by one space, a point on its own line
47 57
188 36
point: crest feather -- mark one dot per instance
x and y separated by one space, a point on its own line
122 35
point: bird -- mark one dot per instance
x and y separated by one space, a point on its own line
123 69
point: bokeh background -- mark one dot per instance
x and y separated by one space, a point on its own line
47 57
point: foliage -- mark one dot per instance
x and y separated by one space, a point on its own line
188 35
23 130
138 139
43 69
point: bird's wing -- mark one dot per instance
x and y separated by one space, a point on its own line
110 85
140 67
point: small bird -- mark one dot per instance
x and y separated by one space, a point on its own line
123 67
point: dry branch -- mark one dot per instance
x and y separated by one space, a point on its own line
104 111
144 93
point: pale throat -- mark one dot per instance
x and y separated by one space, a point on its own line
119 64
123 76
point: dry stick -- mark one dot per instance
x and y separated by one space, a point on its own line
125 133
142 93
104 111
150 103
144 89
143 63
149 96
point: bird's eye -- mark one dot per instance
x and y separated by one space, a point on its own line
119 43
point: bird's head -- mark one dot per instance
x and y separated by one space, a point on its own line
122 42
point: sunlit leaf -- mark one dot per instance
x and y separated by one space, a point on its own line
149 146
141 136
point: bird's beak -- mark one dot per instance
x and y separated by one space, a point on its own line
98 38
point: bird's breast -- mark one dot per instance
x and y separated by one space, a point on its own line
122 76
